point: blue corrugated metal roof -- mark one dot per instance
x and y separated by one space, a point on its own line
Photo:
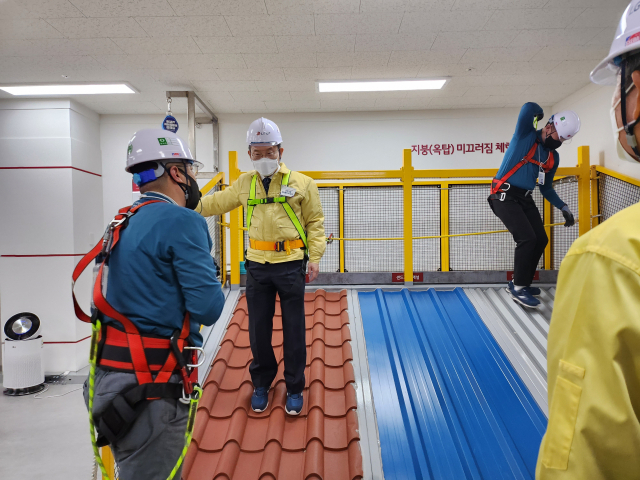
449 405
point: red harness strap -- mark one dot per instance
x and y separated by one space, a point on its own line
135 342
497 183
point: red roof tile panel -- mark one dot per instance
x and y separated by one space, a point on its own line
233 442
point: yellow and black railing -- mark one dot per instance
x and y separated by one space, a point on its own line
403 183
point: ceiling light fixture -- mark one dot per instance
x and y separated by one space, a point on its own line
68 89
381 85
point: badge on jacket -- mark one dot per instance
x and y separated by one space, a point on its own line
287 191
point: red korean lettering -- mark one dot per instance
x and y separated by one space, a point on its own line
436 149
488 148
448 149
415 148
426 149
469 148
460 147
480 147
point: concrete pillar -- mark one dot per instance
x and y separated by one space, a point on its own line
51 198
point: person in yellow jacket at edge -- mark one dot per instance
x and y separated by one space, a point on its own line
286 228
594 337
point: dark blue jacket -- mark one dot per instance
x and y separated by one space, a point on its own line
162 267
521 142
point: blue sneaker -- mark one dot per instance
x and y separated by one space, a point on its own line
260 399
294 403
535 291
523 297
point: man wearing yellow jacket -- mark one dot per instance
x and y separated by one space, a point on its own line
594 338
286 229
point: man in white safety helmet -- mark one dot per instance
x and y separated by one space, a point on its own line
162 286
530 157
593 351
286 228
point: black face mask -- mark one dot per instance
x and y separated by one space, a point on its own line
191 191
551 143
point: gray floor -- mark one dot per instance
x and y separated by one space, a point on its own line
45 438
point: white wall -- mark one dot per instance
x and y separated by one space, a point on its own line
593 104
52 215
375 140
322 141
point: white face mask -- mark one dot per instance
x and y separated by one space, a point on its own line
266 166
622 153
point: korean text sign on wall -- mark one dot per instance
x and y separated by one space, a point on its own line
450 148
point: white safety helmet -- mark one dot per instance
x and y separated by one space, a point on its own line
263 132
567 124
156 144
626 39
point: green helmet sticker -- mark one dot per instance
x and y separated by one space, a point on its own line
562 119
129 149
163 141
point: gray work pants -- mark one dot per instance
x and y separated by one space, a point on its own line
152 447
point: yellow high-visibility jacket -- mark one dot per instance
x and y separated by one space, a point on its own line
593 358
270 222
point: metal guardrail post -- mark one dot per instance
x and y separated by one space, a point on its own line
341 234
234 225
407 190
584 190
444 227
595 201
223 239
548 252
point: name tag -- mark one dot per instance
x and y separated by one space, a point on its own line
287 191
541 177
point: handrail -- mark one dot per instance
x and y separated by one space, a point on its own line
434 236
212 183
619 176
407 177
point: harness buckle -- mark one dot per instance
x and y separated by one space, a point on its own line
280 246
200 362
194 395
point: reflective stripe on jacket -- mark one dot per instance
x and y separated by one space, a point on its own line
270 222
594 358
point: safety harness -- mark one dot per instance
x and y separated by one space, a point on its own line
152 359
498 183
284 246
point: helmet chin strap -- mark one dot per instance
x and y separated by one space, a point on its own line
628 127
183 187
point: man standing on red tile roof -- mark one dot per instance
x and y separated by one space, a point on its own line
286 230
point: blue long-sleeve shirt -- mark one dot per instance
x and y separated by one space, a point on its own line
162 267
521 142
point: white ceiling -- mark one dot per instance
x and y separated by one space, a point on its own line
265 55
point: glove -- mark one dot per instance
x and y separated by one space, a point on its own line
540 116
569 221
217 267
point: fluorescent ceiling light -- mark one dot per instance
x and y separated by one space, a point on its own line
68 89
381 85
